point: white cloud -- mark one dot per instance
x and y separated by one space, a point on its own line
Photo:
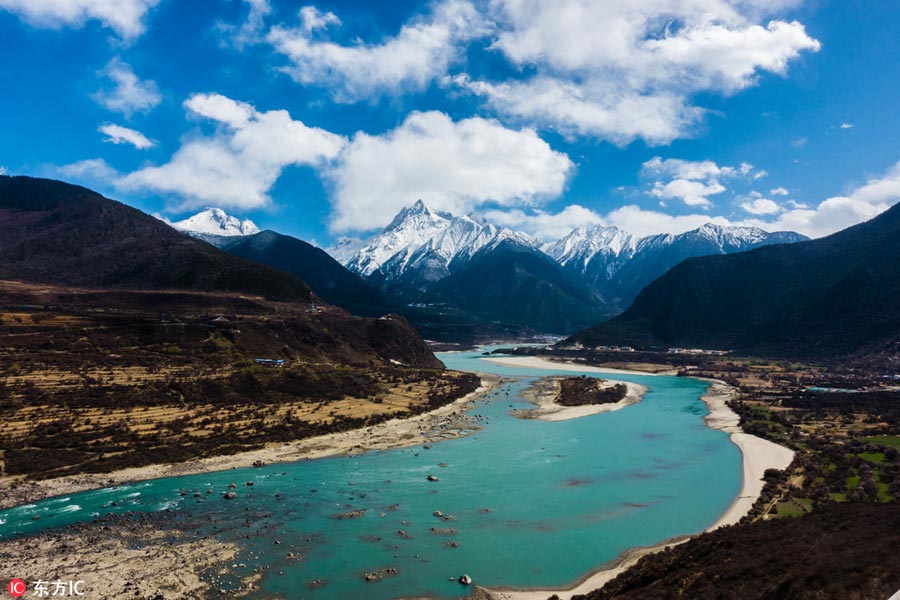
453 166
692 193
846 125
312 19
129 94
598 64
596 108
833 214
688 169
90 170
761 206
692 182
125 17
640 222
237 166
836 213
123 135
250 31
779 191
420 53
544 225
221 108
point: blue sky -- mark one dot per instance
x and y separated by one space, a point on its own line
321 120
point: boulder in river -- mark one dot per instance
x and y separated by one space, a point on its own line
465 579
432 478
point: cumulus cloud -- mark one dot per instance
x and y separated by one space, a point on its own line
90 171
544 225
311 19
641 222
129 94
3 170
694 170
692 182
757 205
831 215
117 134
846 125
238 165
594 108
692 193
620 70
125 17
779 191
453 165
420 53
250 32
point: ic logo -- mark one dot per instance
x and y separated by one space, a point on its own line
16 588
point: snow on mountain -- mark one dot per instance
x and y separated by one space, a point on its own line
586 245
214 221
719 239
420 245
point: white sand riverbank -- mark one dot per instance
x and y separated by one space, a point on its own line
758 454
535 362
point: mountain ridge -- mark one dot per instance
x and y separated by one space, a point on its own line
832 296
59 233
421 247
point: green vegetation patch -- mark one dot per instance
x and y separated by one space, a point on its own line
873 457
883 440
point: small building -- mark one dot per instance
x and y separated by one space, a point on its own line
269 362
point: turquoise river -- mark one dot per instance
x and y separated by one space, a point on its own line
534 503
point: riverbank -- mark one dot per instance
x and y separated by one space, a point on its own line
535 362
137 560
757 456
445 422
544 392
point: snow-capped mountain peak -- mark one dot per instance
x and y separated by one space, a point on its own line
583 243
422 241
215 221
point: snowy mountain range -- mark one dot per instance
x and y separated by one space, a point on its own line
618 266
215 222
430 258
422 246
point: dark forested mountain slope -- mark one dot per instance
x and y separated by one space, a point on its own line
55 232
519 284
832 296
657 254
327 277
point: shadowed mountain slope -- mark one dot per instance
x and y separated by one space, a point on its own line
832 296
519 284
327 277
55 232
